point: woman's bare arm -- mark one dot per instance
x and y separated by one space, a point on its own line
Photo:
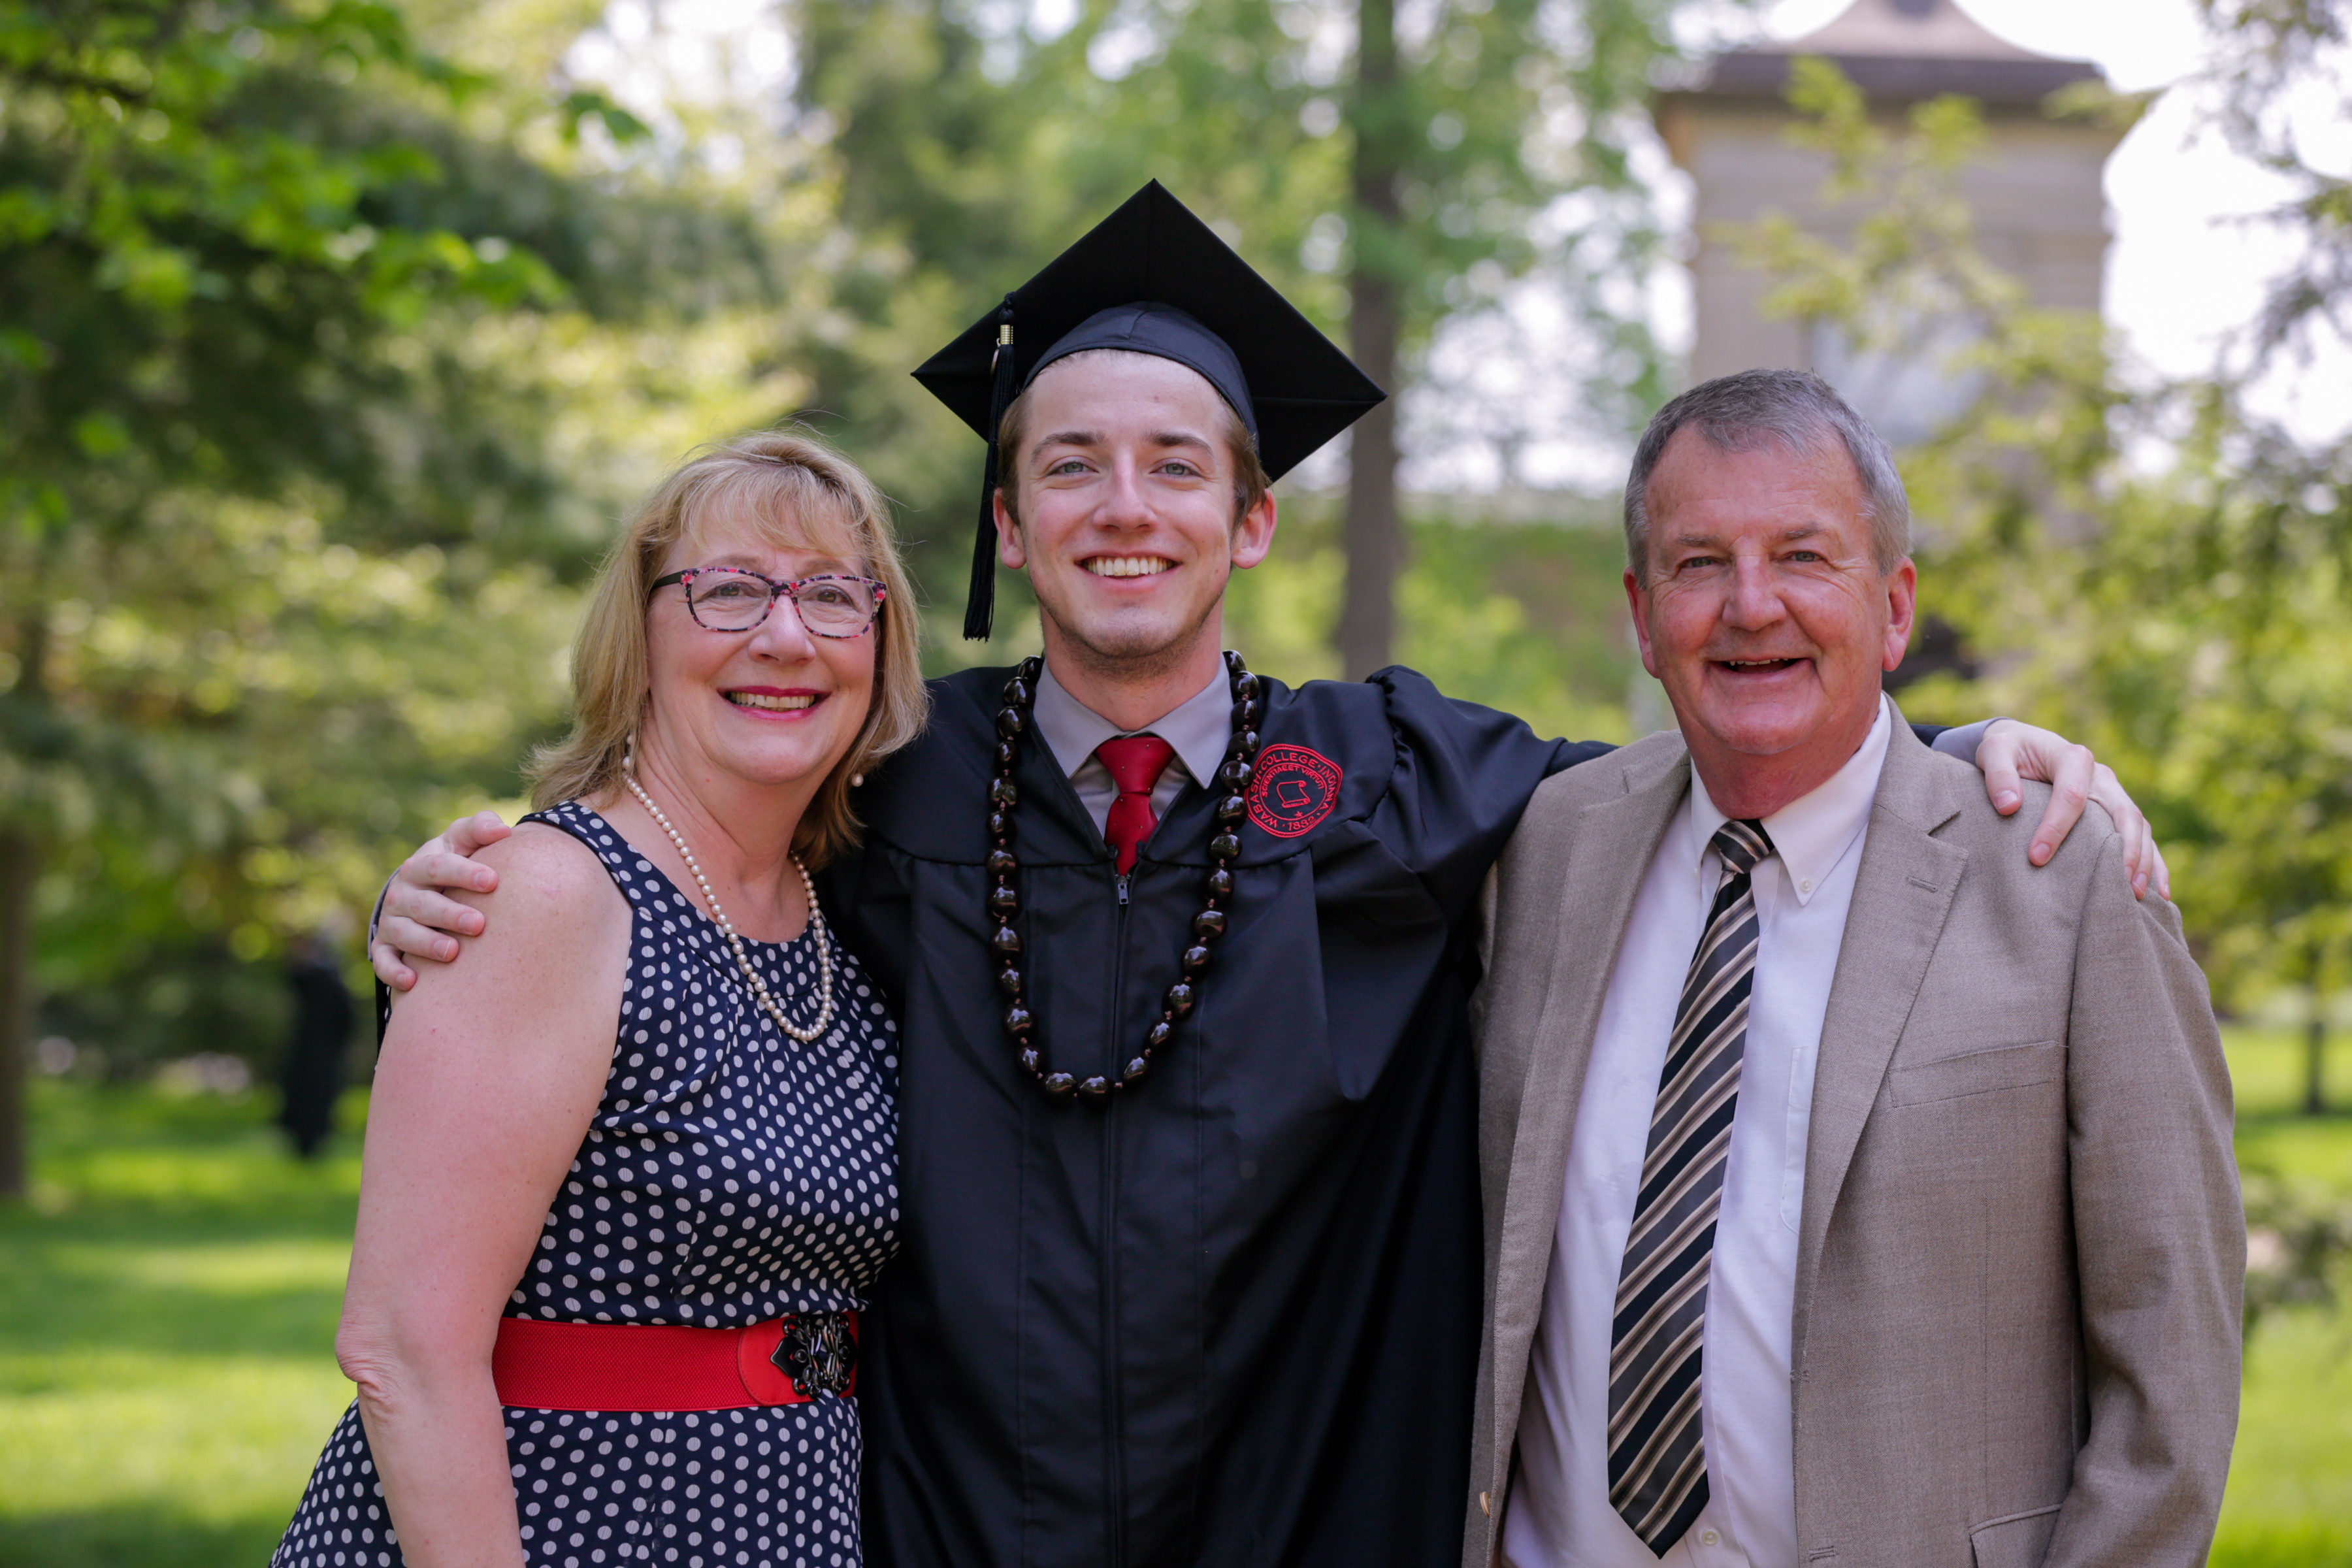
490 1072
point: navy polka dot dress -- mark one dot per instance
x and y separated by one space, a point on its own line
731 1174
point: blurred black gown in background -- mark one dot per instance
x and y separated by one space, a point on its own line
312 1075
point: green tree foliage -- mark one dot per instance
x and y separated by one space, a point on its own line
966 146
326 359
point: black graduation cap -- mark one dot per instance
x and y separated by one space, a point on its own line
1153 279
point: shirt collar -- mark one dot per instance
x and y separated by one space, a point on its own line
1812 834
1200 728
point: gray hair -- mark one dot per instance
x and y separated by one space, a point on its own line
1796 409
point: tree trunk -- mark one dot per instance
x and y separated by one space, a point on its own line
2315 1061
20 855
1371 533
20 870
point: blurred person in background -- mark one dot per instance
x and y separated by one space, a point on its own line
1189 1272
603 1293
310 1078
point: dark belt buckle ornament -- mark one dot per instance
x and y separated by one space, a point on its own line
818 1352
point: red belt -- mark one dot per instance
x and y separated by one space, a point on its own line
541 1366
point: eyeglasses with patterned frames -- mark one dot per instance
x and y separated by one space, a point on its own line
735 599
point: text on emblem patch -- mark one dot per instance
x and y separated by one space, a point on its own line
1291 789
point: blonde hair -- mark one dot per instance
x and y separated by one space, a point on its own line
795 489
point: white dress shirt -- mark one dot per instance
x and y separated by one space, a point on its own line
1200 728
1558 1511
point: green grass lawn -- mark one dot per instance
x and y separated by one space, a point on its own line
167 1322
2290 1498
167 1315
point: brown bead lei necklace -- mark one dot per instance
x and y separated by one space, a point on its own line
1004 899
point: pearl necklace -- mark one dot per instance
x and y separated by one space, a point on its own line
727 928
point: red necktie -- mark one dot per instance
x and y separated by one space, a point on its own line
1136 762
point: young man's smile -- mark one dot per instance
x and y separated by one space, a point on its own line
1127 565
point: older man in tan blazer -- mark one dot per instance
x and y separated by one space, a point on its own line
1856 1194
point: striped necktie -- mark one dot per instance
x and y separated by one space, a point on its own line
1657 1464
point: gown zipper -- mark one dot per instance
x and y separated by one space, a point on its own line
1114 1404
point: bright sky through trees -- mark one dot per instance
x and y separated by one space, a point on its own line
2181 272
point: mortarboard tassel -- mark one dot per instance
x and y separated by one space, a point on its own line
980 602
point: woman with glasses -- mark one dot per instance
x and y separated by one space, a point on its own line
603 1294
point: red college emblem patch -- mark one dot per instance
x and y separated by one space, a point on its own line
1292 789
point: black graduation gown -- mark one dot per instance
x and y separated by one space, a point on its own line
1233 1319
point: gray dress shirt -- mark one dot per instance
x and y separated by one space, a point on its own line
1200 728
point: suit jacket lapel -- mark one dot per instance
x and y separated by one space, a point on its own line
1608 855
1903 891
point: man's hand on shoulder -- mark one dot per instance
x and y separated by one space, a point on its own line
416 921
2011 751
556 905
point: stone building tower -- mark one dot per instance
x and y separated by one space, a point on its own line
2039 211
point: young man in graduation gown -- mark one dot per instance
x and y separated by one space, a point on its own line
1181 958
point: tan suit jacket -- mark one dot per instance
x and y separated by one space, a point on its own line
2020 1251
